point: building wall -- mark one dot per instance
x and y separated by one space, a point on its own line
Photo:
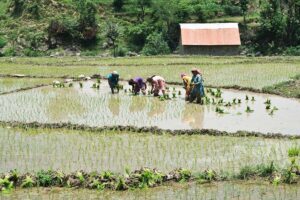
210 50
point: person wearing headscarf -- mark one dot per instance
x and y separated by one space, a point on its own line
197 86
186 85
158 84
138 84
113 81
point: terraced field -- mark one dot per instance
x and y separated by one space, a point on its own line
92 139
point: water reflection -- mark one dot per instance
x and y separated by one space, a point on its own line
114 104
193 115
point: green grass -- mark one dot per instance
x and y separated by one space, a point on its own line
287 88
10 84
67 150
217 71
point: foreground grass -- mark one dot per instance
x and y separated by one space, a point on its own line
218 71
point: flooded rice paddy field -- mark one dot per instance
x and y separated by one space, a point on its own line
10 84
94 107
69 151
225 190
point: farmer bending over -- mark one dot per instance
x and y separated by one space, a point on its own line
157 84
186 85
138 84
113 81
197 86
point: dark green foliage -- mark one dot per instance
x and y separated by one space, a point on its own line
10 52
247 172
112 33
271 33
244 8
34 9
266 170
233 10
16 7
2 42
155 45
44 178
137 35
118 5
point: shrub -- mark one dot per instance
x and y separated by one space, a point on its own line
266 170
34 10
232 10
44 178
292 51
155 45
118 5
121 51
10 52
2 42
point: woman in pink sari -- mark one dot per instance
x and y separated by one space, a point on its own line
158 84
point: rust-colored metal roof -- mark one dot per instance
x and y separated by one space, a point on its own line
210 34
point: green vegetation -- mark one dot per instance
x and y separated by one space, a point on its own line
219 71
289 88
43 27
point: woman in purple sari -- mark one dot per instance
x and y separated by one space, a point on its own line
138 84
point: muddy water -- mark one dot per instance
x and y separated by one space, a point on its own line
67 150
226 190
98 107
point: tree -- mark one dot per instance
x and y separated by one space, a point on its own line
293 22
244 7
118 5
112 33
141 6
272 31
87 19
155 45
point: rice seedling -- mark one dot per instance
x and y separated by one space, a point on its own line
220 102
239 101
99 81
174 95
28 182
228 104
121 185
294 151
234 101
179 93
6 184
185 175
80 84
268 102
218 93
70 84
96 184
219 110
207 100
249 110
247 98
268 107
253 99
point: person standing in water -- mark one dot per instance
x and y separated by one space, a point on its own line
186 85
113 81
138 84
158 84
197 87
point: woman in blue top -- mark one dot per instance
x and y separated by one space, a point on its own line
113 81
198 87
